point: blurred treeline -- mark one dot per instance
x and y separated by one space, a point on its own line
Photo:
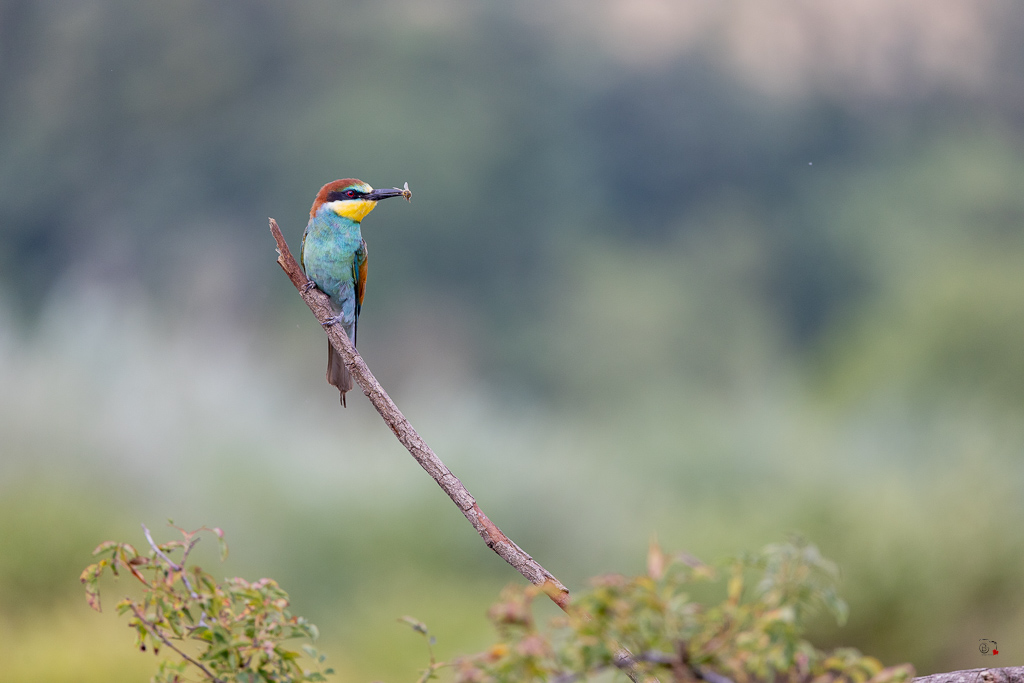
715 271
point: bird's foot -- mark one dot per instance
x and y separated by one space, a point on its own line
308 286
336 320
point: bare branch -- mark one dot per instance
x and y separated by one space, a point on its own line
156 549
489 532
1010 674
163 639
625 663
172 564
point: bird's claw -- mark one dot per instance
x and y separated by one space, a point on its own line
308 286
336 320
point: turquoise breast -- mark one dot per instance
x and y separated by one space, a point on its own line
328 252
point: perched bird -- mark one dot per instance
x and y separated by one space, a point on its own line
334 257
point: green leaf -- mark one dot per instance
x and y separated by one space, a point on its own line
92 596
106 545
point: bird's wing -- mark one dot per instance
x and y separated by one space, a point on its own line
359 276
302 247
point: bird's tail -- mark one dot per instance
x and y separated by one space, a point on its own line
337 373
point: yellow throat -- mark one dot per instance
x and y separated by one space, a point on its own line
352 209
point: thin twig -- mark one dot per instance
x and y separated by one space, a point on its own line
156 549
567 677
159 634
656 657
682 668
173 565
711 676
188 548
491 534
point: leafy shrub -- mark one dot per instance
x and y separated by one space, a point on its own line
649 626
642 627
233 631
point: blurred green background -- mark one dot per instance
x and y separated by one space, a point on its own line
714 271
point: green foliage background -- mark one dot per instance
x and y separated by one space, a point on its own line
653 281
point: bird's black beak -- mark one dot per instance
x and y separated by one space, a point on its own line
377 195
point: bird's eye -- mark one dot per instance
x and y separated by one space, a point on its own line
350 194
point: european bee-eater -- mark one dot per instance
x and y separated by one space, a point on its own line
334 257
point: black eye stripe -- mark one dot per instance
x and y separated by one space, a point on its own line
339 195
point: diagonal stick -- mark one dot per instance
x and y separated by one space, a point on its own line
492 535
